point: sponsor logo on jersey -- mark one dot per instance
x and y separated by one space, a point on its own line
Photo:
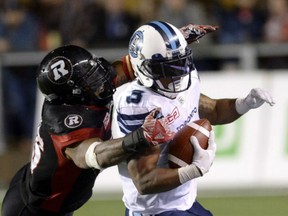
190 117
173 116
73 121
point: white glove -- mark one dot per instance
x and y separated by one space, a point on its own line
253 100
202 160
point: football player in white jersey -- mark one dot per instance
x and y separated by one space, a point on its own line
167 78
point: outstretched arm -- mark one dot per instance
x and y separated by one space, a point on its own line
223 111
218 111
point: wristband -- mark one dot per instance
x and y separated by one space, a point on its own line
241 106
90 157
188 173
135 141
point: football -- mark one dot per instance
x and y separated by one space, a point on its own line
181 150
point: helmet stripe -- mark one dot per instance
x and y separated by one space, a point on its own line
168 34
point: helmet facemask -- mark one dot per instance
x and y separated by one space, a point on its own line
96 85
72 75
171 76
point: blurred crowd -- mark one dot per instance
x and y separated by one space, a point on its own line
44 24
33 25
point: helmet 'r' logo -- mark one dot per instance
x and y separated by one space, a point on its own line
135 44
60 70
73 121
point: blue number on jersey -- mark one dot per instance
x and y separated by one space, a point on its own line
135 97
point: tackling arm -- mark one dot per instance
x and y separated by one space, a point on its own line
95 153
124 71
108 153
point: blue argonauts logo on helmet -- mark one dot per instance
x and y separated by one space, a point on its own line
135 44
60 70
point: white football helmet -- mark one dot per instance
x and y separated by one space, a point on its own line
161 58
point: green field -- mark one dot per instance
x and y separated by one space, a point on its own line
224 206
221 206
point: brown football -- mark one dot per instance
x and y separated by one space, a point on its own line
181 150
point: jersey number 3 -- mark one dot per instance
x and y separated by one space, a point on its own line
135 97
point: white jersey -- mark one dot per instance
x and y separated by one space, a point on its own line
133 105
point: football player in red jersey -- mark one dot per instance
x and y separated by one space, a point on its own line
74 135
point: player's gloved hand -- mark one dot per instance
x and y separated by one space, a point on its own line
202 160
256 98
154 131
155 128
193 32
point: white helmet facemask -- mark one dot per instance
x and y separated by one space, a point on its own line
175 86
171 86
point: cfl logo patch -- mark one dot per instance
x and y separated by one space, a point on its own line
73 121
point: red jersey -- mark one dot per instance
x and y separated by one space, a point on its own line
53 182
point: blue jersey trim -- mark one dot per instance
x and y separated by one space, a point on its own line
129 123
